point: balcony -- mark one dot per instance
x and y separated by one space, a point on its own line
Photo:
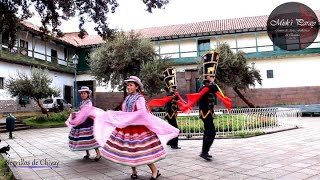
253 52
33 58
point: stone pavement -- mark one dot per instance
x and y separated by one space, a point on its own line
293 154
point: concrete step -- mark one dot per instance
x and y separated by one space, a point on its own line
16 125
15 129
19 125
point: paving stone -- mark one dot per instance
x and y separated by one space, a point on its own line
290 155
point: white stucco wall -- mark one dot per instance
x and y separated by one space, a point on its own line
40 48
100 87
289 72
189 47
264 42
246 42
229 39
59 80
169 48
182 68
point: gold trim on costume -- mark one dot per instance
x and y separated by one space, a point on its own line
205 116
170 117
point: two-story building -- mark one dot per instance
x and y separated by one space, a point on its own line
47 52
288 77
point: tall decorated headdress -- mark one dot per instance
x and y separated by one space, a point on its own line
210 64
170 78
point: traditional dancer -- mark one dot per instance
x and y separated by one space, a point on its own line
131 137
206 110
171 107
81 135
206 103
135 144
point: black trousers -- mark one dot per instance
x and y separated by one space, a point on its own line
209 133
173 122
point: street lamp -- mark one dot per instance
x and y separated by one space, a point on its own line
75 60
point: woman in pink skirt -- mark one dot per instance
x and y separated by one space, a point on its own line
81 136
134 145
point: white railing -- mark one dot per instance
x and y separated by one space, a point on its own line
239 122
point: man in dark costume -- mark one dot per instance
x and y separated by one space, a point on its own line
171 107
206 102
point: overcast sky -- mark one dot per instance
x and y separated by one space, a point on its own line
131 14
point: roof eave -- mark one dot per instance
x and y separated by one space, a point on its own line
213 33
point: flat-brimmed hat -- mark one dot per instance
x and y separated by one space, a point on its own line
136 80
85 89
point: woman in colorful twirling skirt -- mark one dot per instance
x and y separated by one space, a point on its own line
81 135
137 137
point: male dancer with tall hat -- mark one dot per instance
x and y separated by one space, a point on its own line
169 77
206 102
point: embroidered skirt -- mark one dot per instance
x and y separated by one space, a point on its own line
133 146
81 137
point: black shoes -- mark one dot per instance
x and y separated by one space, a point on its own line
97 159
134 176
158 174
206 157
175 147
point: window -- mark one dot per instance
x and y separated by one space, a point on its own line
87 53
203 46
23 44
23 100
269 74
24 47
66 54
54 56
1 83
48 101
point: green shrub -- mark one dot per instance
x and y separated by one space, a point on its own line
226 123
54 120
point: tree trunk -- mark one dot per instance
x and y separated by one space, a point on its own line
43 110
243 98
119 107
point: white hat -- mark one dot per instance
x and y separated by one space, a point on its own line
136 80
85 89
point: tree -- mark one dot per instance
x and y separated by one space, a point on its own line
234 72
52 12
128 54
151 74
36 85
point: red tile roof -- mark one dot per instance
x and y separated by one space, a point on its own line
208 27
88 40
71 38
180 30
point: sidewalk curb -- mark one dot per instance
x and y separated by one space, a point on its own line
8 167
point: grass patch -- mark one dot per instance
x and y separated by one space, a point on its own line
5 172
42 121
226 123
249 133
